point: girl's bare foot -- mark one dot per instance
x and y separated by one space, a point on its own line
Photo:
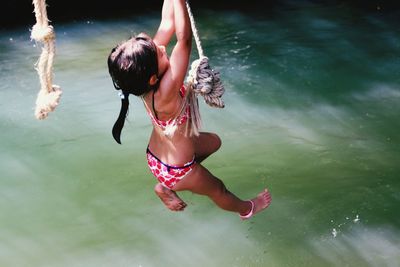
170 199
259 203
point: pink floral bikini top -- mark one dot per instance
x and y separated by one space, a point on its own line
169 126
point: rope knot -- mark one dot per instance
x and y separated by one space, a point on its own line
206 82
42 33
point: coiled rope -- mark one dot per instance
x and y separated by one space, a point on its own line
202 80
49 94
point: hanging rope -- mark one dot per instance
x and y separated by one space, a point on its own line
202 78
49 94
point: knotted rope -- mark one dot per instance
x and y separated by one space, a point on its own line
49 94
202 80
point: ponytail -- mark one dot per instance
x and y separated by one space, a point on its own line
119 124
130 65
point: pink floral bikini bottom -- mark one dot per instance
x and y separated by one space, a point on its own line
166 174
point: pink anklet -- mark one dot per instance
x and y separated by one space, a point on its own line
248 215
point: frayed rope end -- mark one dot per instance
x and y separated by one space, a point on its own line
47 102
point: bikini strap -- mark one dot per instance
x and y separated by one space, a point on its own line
152 104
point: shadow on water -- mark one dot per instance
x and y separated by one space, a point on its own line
312 102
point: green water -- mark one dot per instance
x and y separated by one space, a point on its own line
312 104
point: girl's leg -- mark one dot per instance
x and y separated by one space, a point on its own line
170 199
201 181
205 145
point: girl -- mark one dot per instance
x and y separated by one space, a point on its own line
141 66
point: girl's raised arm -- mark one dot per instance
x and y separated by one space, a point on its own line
167 24
180 55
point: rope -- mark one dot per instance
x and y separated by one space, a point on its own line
202 79
49 94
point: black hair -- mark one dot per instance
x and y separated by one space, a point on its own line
131 65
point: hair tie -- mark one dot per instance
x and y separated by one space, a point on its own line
121 95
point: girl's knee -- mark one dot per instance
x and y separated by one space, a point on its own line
158 188
216 141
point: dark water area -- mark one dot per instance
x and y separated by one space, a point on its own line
20 12
312 107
